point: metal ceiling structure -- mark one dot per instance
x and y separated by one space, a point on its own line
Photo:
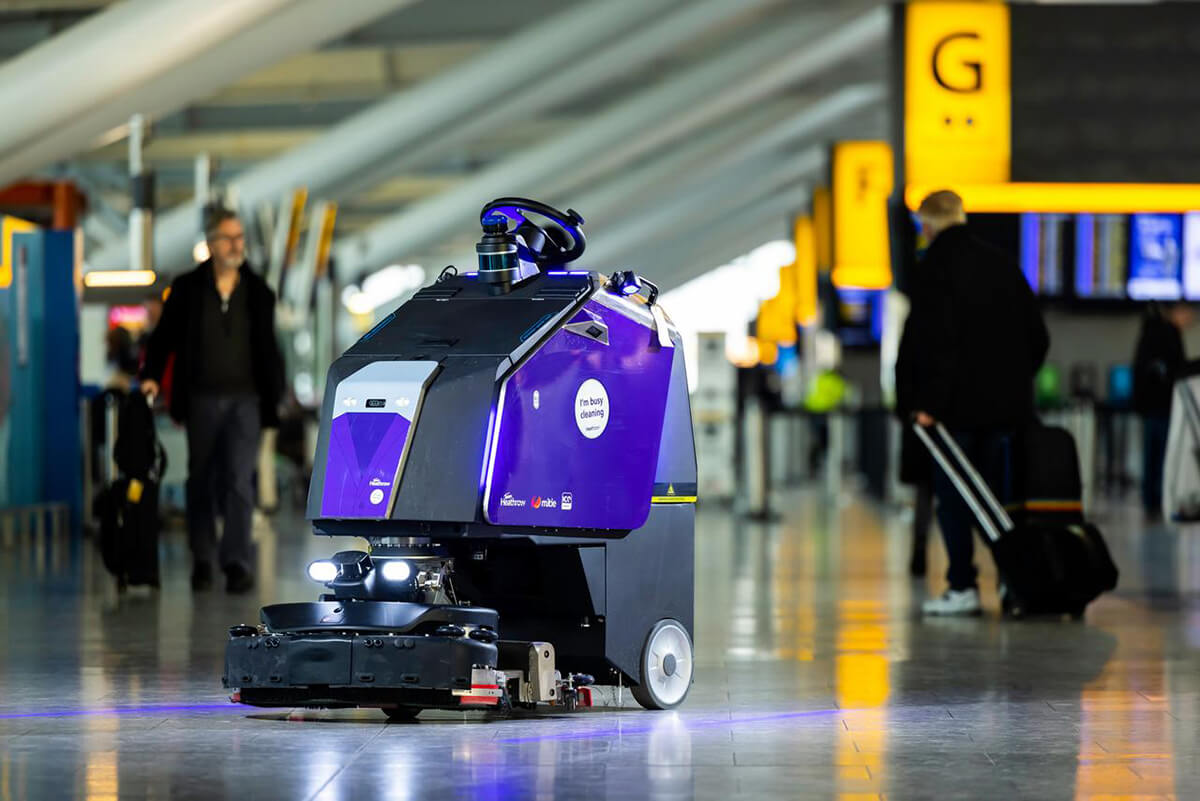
412 113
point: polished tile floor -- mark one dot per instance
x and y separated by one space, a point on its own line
815 679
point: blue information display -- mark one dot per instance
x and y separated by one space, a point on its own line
860 316
1155 256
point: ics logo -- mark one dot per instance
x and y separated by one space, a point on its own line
568 501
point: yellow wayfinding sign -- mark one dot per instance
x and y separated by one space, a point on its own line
805 271
957 93
822 219
862 181
8 227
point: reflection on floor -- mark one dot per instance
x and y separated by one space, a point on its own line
815 678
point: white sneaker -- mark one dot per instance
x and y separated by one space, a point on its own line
954 602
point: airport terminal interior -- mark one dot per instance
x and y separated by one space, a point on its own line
599 399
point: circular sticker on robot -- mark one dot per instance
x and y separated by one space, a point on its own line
376 496
591 408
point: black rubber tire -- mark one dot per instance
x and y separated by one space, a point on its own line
401 714
642 691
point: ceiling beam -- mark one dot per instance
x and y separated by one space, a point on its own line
356 145
698 203
190 73
578 79
76 71
781 53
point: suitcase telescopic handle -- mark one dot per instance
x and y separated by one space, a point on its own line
981 486
944 453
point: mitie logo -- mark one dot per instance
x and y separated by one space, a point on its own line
509 500
544 503
966 82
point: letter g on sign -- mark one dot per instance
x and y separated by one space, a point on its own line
939 63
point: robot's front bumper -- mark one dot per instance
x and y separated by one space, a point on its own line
335 669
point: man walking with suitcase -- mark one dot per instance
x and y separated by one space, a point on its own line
219 322
978 341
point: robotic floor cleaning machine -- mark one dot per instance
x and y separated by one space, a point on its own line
515 444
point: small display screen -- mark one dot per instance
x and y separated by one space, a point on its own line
859 316
376 403
1155 256
1101 255
1045 244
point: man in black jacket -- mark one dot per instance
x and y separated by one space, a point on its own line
978 339
219 324
1156 364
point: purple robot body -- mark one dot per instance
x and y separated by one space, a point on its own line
576 436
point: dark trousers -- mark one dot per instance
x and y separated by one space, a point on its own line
222 433
922 519
990 454
1154 453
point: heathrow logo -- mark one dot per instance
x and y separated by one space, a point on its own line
509 500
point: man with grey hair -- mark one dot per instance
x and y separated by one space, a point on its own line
218 323
978 338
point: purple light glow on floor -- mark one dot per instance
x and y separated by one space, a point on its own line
611 731
121 710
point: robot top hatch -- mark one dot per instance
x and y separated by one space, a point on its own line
520 395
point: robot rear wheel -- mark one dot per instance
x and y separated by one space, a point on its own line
666 666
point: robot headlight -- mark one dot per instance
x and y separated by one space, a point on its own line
322 571
396 570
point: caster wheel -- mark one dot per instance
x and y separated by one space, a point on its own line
401 714
666 666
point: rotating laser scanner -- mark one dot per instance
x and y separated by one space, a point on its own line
515 443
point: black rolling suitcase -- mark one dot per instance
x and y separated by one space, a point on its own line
1047 483
128 508
1047 566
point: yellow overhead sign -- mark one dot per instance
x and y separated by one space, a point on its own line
776 321
957 93
325 243
822 219
862 182
8 227
805 271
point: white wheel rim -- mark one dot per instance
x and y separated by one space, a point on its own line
669 641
